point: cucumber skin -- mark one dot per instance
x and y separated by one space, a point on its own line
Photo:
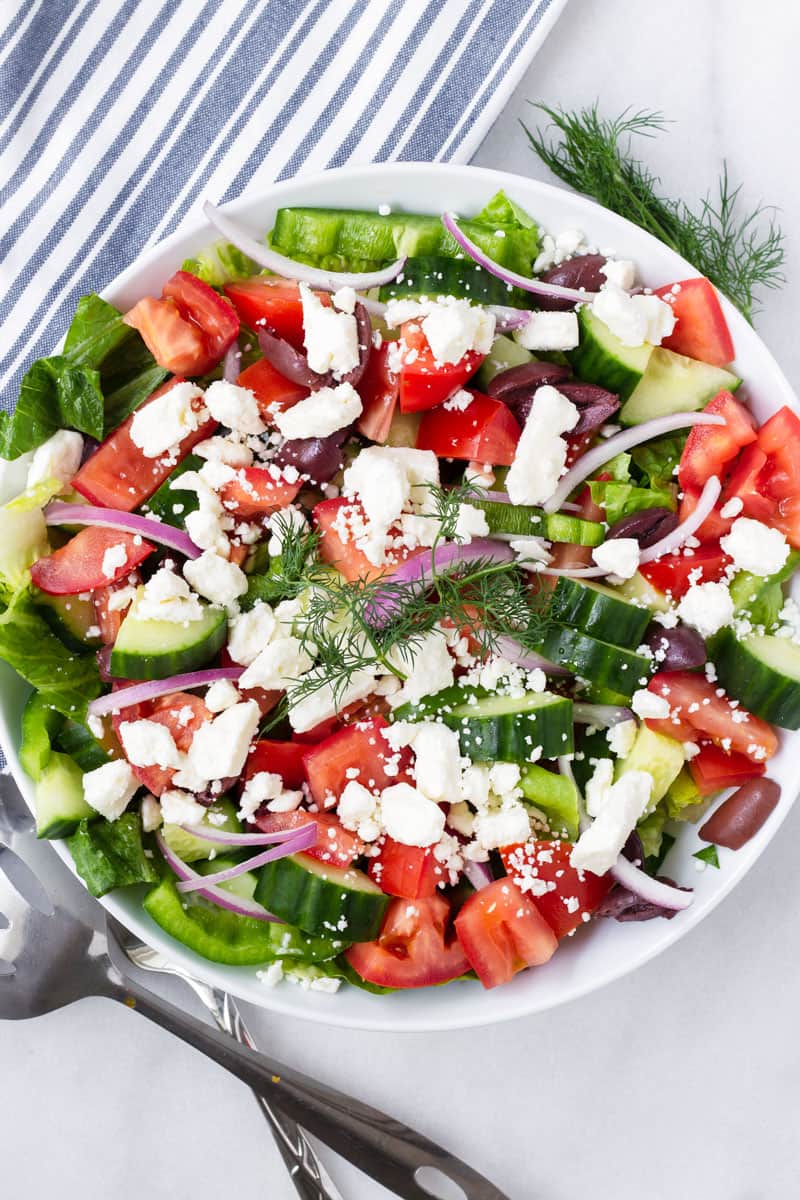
603 665
82 746
535 522
305 898
59 803
662 393
746 678
435 275
161 504
592 362
132 664
607 618
514 737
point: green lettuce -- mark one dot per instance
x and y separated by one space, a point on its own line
621 499
65 680
657 460
111 854
220 263
501 210
40 725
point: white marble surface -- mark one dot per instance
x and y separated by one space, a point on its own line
682 1081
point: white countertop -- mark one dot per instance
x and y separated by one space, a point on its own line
680 1082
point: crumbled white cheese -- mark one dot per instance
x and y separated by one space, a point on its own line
330 338
471 522
531 550
219 747
359 811
323 703
167 597
541 451
267 787
345 299
755 547
635 320
109 789
277 666
221 695
180 808
707 607
618 557
250 632
549 331
732 509
322 413
438 762
114 560
231 450
621 737
214 577
626 801
388 481
453 327
620 271
234 406
164 422
149 744
409 817
121 598
281 524
502 827
150 810
459 401
647 704
58 458
428 669
598 786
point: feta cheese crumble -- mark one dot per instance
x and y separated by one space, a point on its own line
707 607
549 331
149 744
635 320
755 547
541 453
234 406
647 704
109 789
330 337
409 817
322 413
211 575
58 458
624 803
167 597
618 557
165 421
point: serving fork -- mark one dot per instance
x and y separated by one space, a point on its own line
50 959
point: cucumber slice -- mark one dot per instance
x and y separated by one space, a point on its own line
523 520
322 899
674 383
763 673
600 611
58 798
173 505
71 619
603 665
40 727
147 649
343 237
434 275
513 729
640 591
555 797
603 359
220 816
661 757
83 746
762 599
210 931
505 353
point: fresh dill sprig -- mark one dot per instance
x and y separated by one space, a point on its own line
445 505
741 252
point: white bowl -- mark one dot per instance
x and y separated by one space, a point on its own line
605 950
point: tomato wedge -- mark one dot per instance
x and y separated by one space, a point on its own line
407 871
182 713
81 565
694 703
565 897
108 619
277 758
189 329
424 383
485 432
416 947
710 449
502 932
674 574
215 317
379 390
119 476
256 493
335 844
345 555
271 302
701 330
273 392
359 752
713 770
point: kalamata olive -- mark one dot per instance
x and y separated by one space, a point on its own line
364 335
633 849
318 458
581 272
677 649
741 816
290 362
621 904
594 403
527 377
647 526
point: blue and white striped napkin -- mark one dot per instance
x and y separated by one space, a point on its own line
116 116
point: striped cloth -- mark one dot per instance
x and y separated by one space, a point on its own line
117 116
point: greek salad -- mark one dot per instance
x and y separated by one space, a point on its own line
391 588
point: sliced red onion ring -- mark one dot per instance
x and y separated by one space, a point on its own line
508 318
423 567
674 540
288 361
59 513
232 364
536 286
218 896
209 834
479 874
151 689
329 281
605 715
304 838
526 659
589 462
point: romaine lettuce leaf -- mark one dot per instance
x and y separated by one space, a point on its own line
54 394
65 680
501 210
621 499
110 854
219 263
657 460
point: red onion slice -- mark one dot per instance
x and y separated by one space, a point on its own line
508 318
60 513
304 838
605 715
209 834
674 540
422 568
536 286
479 874
151 689
232 363
218 896
589 462
265 256
526 659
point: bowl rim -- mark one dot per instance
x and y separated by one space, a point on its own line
517 1003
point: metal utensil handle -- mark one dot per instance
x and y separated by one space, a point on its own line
311 1180
383 1148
